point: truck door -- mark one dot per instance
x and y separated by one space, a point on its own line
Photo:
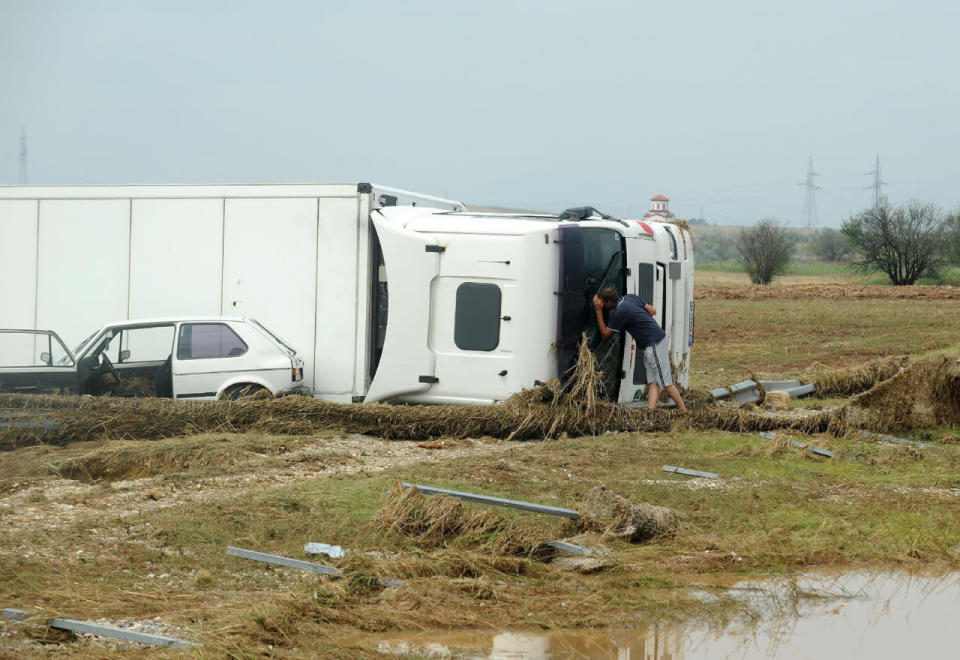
412 261
651 286
570 297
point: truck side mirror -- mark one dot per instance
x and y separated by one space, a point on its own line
45 358
124 355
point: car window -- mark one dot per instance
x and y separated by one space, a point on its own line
58 353
22 349
208 340
26 349
152 344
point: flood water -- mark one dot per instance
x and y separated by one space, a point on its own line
855 615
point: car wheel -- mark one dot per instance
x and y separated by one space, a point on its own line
246 391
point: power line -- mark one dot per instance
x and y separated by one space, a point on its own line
809 213
877 181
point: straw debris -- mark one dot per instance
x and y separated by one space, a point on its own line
614 515
927 392
924 393
444 562
441 521
848 381
575 408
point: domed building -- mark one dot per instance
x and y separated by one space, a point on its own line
659 209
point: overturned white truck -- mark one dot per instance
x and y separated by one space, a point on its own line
386 294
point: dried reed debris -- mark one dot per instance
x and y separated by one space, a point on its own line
441 521
847 381
614 515
925 393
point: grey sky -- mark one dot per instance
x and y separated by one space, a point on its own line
530 104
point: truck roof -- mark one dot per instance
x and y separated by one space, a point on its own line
443 221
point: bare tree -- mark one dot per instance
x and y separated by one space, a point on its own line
952 230
831 245
764 250
902 241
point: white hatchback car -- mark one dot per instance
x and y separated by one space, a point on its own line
181 358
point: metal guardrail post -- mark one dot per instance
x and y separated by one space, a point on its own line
496 501
283 561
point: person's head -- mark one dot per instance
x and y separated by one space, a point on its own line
609 296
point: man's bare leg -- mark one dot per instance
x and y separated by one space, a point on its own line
653 395
675 395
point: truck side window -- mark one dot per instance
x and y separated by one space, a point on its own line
476 324
673 245
646 282
208 340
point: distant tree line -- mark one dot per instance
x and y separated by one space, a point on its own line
904 242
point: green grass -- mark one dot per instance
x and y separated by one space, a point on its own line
719 266
833 272
784 337
776 508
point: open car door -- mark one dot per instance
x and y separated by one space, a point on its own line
36 362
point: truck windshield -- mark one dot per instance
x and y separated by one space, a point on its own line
590 259
603 259
604 262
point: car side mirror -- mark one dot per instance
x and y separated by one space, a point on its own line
124 356
45 358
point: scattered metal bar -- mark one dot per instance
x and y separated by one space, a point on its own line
571 548
799 390
724 392
820 451
688 472
283 561
12 614
746 391
297 563
898 441
390 583
119 633
497 501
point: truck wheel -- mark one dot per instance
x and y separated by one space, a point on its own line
245 391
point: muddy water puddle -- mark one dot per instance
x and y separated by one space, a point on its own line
854 615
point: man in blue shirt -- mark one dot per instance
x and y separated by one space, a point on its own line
635 315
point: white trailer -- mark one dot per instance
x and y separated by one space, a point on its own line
387 294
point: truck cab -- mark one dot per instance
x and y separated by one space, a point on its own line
481 305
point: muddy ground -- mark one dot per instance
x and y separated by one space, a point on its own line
133 533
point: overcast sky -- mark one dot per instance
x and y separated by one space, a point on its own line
539 105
